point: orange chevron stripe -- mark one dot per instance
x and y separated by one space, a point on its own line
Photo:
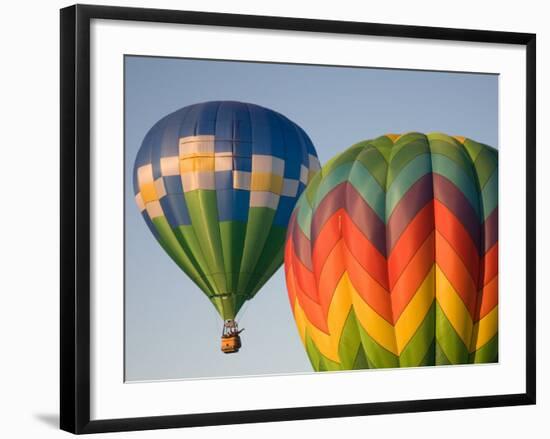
409 242
489 266
311 309
456 272
330 276
304 278
488 298
368 288
448 225
325 242
366 254
413 276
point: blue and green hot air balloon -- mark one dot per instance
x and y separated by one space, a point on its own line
216 183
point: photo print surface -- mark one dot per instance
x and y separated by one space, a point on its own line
285 218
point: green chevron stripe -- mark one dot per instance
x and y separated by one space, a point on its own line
350 342
312 352
319 362
488 353
410 174
349 167
346 157
369 189
437 135
485 164
361 361
449 341
373 160
407 149
361 179
377 356
453 150
303 216
384 145
489 195
447 168
311 188
440 357
326 365
473 148
337 176
429 358
416 349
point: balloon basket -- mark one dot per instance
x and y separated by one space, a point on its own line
231 344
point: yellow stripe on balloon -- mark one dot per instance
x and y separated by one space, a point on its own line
264 181
339 308
453 307
146 183
301 320
415 312
484 330
152 191
198 164
324 342
148 192
338 312
376 326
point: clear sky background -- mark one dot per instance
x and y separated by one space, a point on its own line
172 331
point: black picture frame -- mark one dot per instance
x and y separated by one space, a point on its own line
75 217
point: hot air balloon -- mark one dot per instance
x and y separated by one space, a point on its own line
391 257
216 183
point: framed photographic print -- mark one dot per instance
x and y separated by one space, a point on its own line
268 218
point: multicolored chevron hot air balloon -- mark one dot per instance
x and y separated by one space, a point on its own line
216 183
392 255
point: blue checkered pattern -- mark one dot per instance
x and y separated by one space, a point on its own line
223 142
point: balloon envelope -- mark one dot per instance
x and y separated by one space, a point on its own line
216 183
391 257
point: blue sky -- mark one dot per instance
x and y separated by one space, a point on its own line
172 331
